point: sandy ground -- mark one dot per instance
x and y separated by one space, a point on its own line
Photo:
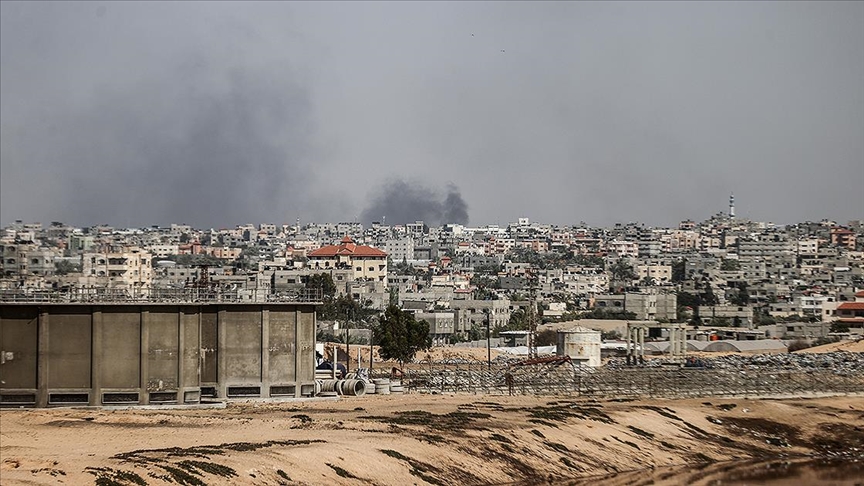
418 439
847 346
436 353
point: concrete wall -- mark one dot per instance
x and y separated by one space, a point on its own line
141 354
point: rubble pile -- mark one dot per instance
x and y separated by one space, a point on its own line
841 363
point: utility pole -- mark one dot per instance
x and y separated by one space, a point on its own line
488 342
532 311
348 342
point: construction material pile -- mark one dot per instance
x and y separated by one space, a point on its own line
841 363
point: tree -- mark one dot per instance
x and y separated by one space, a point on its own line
838 326
400 336
65 267
610 335
708 297
547 337
586 260
679 271
728 265
622 271
518 320
324 283
742 296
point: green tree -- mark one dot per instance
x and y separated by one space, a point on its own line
65 267
586 260
623 271
728 265
742 296
679 271
708 297
547 337
610 336
838 326
518 321
324 283
400 336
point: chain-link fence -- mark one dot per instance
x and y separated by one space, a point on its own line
562 377
144 295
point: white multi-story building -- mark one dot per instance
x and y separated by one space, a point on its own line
162 251
660 273
808 248
128 269
401 249
628 249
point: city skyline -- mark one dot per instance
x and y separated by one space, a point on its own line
215 115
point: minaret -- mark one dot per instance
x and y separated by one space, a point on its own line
732 205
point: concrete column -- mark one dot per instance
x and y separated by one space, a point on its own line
298 346
96 325
629 335
676 335
221 366
200 344
265 353
181 355
42 360
145 357
673 342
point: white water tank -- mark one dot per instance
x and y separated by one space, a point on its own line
581 344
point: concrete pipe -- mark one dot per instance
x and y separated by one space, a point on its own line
328 385
354 388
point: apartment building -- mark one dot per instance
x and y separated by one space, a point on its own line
401 249
647 305
366 263
127 269
659 273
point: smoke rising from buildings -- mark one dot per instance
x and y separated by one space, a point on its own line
399 202
194 136
220 113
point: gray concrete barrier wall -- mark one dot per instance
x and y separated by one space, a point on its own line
54 354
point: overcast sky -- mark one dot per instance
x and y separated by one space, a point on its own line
217 114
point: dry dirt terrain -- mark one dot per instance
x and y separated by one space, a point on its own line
421 439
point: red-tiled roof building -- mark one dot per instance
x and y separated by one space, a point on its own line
366 263
852 312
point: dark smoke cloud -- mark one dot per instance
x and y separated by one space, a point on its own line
401 202
205 158
193 136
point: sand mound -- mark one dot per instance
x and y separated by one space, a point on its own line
847 346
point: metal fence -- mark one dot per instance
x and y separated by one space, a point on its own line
564 378
159 295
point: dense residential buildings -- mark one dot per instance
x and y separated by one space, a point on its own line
724 271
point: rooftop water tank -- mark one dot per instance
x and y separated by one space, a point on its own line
581 344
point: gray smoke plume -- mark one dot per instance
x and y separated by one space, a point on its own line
195 136
400 202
